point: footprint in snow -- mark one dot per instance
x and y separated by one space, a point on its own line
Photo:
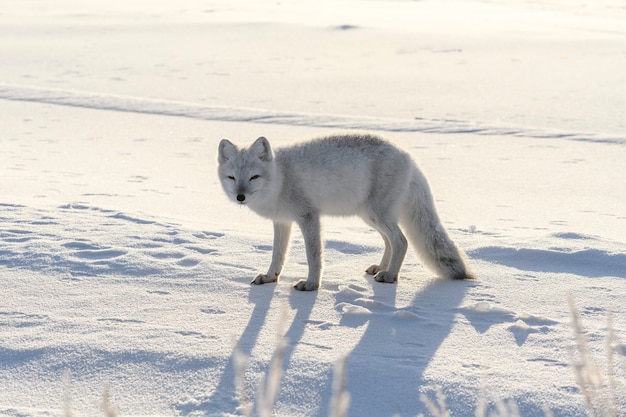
211 310
190 333
356 308
20 319
76 240
483 315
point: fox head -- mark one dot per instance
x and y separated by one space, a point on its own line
244 172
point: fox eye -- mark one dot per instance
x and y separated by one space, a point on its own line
254 177
230 177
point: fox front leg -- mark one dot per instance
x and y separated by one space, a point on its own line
282 231
310 226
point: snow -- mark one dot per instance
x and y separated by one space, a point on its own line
124 266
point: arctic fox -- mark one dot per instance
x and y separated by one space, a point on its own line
346 175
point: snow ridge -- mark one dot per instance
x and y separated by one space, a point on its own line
100 101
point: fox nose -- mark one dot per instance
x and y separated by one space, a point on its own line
241 198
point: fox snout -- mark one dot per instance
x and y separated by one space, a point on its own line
240 191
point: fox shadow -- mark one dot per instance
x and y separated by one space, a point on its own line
388 365
224 399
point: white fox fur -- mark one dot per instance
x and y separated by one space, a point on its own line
361 175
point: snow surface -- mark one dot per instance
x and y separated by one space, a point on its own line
122 264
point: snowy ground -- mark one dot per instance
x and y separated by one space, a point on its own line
122 262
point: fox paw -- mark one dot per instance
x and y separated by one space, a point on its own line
385 276
373 270
304 285
263 279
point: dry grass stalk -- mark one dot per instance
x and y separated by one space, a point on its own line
600 393
270 384
107 406
438 409
240 361
340 401
67 395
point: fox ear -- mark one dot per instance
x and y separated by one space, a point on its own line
226 151
262 149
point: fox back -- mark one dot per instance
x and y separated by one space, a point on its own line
334 175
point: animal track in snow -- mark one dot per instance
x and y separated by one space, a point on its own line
211 310
100 254
208 235
19 319
352 302
84 241
119 320
201 250
191 333
483 315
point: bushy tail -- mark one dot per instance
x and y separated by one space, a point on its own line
428 236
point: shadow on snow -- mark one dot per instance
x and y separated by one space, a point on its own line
386 368
588 262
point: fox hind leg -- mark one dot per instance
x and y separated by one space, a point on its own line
398 249
395 247
384 262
